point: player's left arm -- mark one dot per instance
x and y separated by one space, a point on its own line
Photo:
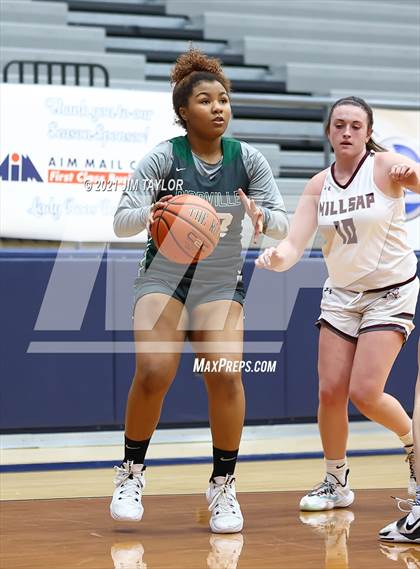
401 170
266 196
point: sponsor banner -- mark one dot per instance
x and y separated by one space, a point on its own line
68 152
400 131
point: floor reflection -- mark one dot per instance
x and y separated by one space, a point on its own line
404 552
334 527
225 551
128 555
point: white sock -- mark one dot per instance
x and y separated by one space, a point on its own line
338 468
407 441
219 480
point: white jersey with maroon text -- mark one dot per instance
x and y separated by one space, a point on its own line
365 238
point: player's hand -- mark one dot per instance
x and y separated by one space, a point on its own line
400 172
155 208
254 212
270 259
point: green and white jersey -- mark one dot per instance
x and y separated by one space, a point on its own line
171 168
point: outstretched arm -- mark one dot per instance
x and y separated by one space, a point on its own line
397 172
303 226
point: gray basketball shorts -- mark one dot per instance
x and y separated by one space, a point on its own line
349 313
189 291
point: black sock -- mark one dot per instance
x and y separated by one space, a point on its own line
135 450
224 462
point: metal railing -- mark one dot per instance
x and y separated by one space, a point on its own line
37 67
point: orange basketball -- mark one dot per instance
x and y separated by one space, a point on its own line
186 230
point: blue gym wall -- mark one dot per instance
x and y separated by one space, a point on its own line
88 309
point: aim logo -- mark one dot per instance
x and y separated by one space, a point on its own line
18 168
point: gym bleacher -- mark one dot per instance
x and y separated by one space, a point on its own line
285 59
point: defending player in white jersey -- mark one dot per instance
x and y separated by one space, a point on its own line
370 296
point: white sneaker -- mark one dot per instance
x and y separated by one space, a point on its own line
225 551
128 555
226 515
126 501
330 494
412 483
405 530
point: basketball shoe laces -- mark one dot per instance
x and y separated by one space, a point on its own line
224 499
130 484
402 504
325 488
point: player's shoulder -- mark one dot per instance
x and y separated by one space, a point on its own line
387 158
162 153
163 147
156 161
247 150
253 159
162 150
316 183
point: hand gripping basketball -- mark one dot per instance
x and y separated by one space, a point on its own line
154 209
185 228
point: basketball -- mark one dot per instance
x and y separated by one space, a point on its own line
186 230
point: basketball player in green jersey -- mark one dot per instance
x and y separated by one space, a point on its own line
202 302
369 299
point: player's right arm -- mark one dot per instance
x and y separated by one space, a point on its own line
138 201
302 229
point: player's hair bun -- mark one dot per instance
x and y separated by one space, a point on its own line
195 60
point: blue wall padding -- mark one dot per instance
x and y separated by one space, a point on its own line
88 301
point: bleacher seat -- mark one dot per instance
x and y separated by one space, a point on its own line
25 12
222 25
329 9
120 67
162 71
49 37
277 131
321 79
129 20
279 51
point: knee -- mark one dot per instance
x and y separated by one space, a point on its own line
225 385
364 399
151 379
333 393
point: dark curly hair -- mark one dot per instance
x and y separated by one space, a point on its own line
191 68
361 103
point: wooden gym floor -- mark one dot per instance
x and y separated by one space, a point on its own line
77 532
